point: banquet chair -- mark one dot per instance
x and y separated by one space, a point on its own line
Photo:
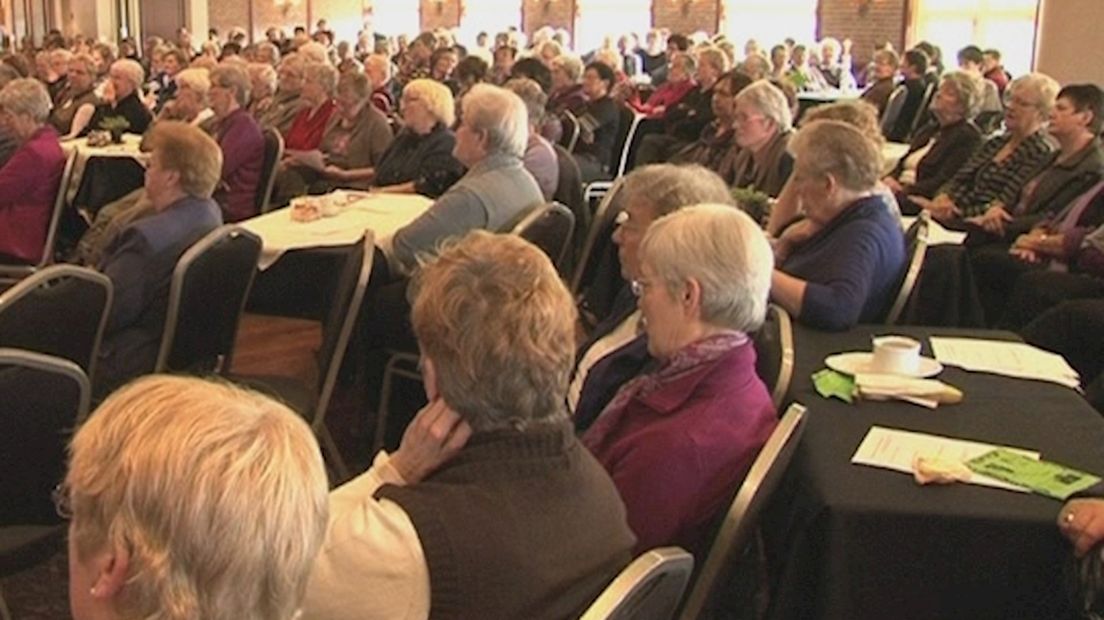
923 114
740 522
647 589
210 284
623 149
774 353
13 273
569 193
312 400
916 240
549 227
44 398
61 310
892 112
598 237
570 136
400 364
273 153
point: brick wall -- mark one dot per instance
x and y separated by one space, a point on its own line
441 13
554 13
686 16
867 23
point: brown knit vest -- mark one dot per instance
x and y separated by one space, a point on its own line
518 525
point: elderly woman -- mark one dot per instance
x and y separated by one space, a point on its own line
154 533
317 93
988 186
567 91
286 103
122 98
181 175
762 125
353 144
30 178
491 142
189 104
76 103
540 158
262 88
679 438
846 271
598 123
241 141
940 149
420 160
715 142
378 68
449 522
616 351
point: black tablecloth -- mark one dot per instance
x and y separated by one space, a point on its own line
850 541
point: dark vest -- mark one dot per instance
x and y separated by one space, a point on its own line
518 525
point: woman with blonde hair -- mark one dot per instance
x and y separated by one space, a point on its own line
192 499
420 158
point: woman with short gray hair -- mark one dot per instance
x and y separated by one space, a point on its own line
122 98
319 80
763 124
939 149
848 269
29 180
242 143
678 439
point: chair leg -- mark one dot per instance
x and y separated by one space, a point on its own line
333 454
384 406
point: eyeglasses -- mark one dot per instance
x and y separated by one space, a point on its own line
62 504
1019 102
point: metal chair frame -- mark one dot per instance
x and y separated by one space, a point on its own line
12 273
647 589
919 233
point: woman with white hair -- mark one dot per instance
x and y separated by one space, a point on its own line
420 159
985 190
189 102
847 270
490 508
30 178
122 99
285 104
678 439
540 158
762 125
192 499
317 93
241 141
490 143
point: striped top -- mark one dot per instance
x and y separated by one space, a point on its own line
983 181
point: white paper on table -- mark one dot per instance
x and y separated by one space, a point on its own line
384 214
936 232
1011 359
895 449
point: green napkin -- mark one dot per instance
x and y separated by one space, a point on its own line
829 383
1042 477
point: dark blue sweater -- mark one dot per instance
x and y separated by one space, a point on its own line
852 266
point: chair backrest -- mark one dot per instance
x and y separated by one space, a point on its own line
893 107
598 235
58 208
273 152
916 243
922 112
61 311
774 353
569 193
344 313
742 517
44 397
549 227
625 148
570 136
649 588
210 285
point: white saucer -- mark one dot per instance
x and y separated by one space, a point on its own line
859 362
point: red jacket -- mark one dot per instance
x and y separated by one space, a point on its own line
664 98
306 129
28 186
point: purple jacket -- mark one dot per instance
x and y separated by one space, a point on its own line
28 186
242 157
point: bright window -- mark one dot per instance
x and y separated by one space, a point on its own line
769 22
488 16
1006 25
602 18
394 18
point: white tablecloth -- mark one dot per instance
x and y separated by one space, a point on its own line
129 149
382 213
891 153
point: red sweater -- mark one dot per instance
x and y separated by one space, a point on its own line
28 187
664 98
306 129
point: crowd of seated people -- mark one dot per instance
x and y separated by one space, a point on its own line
658 414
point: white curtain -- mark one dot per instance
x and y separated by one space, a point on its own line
1005 25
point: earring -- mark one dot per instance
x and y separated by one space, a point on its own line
92 591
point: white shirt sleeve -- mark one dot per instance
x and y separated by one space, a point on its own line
371 564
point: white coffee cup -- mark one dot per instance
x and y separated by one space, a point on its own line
895 355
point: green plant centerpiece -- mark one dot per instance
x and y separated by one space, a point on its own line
115 125
753 202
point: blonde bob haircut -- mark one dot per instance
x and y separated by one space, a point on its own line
497 322
217 493
189 151
722 249
837 149
437 98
